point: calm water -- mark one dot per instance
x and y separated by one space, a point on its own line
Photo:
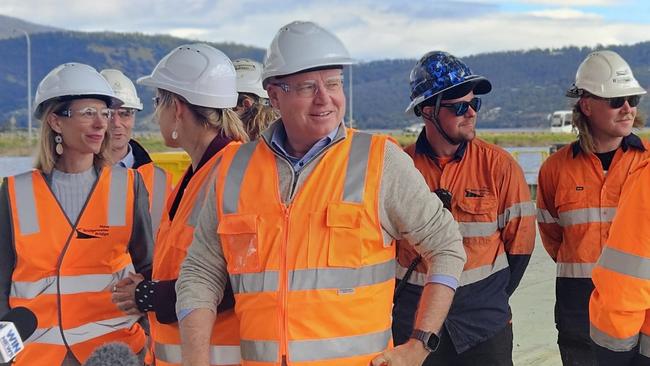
530 158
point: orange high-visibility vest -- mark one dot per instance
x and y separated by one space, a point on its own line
65 272
313 280
172 243
159 185
619 308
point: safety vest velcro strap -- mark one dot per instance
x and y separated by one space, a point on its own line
68 284
644 345
545 217
521 209
614 344
480 273
477 229
625 263
341 347
219 355
82 333
575 270
586 215
259 351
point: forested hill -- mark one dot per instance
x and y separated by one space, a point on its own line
527 85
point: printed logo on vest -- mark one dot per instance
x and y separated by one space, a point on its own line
92 233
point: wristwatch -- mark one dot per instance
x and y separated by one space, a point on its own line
429 339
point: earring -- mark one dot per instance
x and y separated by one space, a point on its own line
174 135
58 139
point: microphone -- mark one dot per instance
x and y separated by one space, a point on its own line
15 327
113 354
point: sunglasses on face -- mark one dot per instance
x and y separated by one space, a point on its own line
618 102
460 108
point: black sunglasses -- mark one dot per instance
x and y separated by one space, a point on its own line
460 108
444 196
615 103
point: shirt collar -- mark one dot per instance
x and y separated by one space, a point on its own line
630 141
422 146
128 160
279 141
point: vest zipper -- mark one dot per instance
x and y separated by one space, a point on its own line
283 287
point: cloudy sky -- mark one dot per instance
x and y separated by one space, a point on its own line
372 29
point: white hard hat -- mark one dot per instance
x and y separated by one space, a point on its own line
249 77
72 80
302 46
606 75
123 88
199 73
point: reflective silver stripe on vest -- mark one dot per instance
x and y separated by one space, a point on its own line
480 273
545 217
477 229
340 347
82 333
586 215
624 263
193 219
341 278
644 345
235 176
219 355
158 197
575 270
611 343
69 284
26 204
260 351
355 175
117 197
517 210
417 278
254 282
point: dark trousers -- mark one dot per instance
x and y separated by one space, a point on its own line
576 350
496 351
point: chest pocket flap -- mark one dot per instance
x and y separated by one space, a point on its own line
344 224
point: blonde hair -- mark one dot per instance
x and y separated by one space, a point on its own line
47 156
581 122
223 120
258 117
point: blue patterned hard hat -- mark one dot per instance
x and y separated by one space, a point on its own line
437 72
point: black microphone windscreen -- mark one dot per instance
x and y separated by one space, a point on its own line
24 320
113 354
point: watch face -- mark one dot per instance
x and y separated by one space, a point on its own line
433 342
429 339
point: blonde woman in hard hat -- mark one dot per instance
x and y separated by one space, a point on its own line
127 152
195 94
253 103
74 226
578 192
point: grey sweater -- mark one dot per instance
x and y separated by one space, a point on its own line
408 210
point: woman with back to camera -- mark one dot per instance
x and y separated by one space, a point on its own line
73 227
253 105
193 105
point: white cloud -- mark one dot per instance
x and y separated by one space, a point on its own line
371 31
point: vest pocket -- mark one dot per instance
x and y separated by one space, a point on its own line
240 243
344 224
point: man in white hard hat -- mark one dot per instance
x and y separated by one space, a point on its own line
579 188
304 223
127 152
253 103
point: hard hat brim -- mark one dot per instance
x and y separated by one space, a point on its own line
575 92
479 85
